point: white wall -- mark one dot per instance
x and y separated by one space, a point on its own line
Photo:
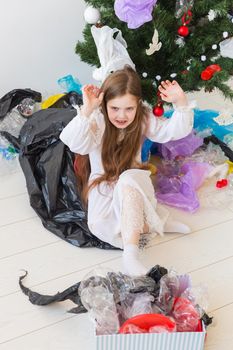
38 41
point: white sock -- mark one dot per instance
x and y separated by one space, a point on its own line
132 265
176 226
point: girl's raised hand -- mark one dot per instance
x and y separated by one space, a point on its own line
92 98
173 93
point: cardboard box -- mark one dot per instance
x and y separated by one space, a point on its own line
149 341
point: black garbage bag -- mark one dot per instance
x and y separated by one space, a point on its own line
51 182
68 100
14 97
70 293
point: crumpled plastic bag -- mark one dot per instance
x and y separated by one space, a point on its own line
134 13
112 51
14 97
183 147
178 189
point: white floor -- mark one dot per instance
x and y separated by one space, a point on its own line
53 265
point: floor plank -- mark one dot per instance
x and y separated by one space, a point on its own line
12 185
15 209
24 236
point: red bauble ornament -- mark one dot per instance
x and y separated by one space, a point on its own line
183 31
158 110
207 74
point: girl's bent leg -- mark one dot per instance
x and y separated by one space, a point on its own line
132 226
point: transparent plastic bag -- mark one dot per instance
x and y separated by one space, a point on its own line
199 297
97 298
26 107
108 296
12 123
211 154
185 315
169 286
136 304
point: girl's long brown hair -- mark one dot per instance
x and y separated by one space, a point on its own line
116 156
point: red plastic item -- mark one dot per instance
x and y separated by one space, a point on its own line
222 183
146 321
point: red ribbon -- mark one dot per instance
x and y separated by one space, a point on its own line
187 17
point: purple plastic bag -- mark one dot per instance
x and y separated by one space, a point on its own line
183 147
134 12
179 190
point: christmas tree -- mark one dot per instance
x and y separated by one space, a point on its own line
190 41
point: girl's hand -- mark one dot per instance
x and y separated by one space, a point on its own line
92 98
173 93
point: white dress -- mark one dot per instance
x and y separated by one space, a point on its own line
83 135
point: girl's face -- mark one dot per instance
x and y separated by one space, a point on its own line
122 110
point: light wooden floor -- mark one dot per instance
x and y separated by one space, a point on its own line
53 265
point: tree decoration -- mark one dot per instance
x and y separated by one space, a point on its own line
186 19
203 58
212 15
158 110
209 71
180 41
91 15
155 45
134 13
182 6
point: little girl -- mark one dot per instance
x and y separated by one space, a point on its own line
110 128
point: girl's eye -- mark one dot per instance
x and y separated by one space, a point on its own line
130 109
115 109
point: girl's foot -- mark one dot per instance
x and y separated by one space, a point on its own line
176 226
132 264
